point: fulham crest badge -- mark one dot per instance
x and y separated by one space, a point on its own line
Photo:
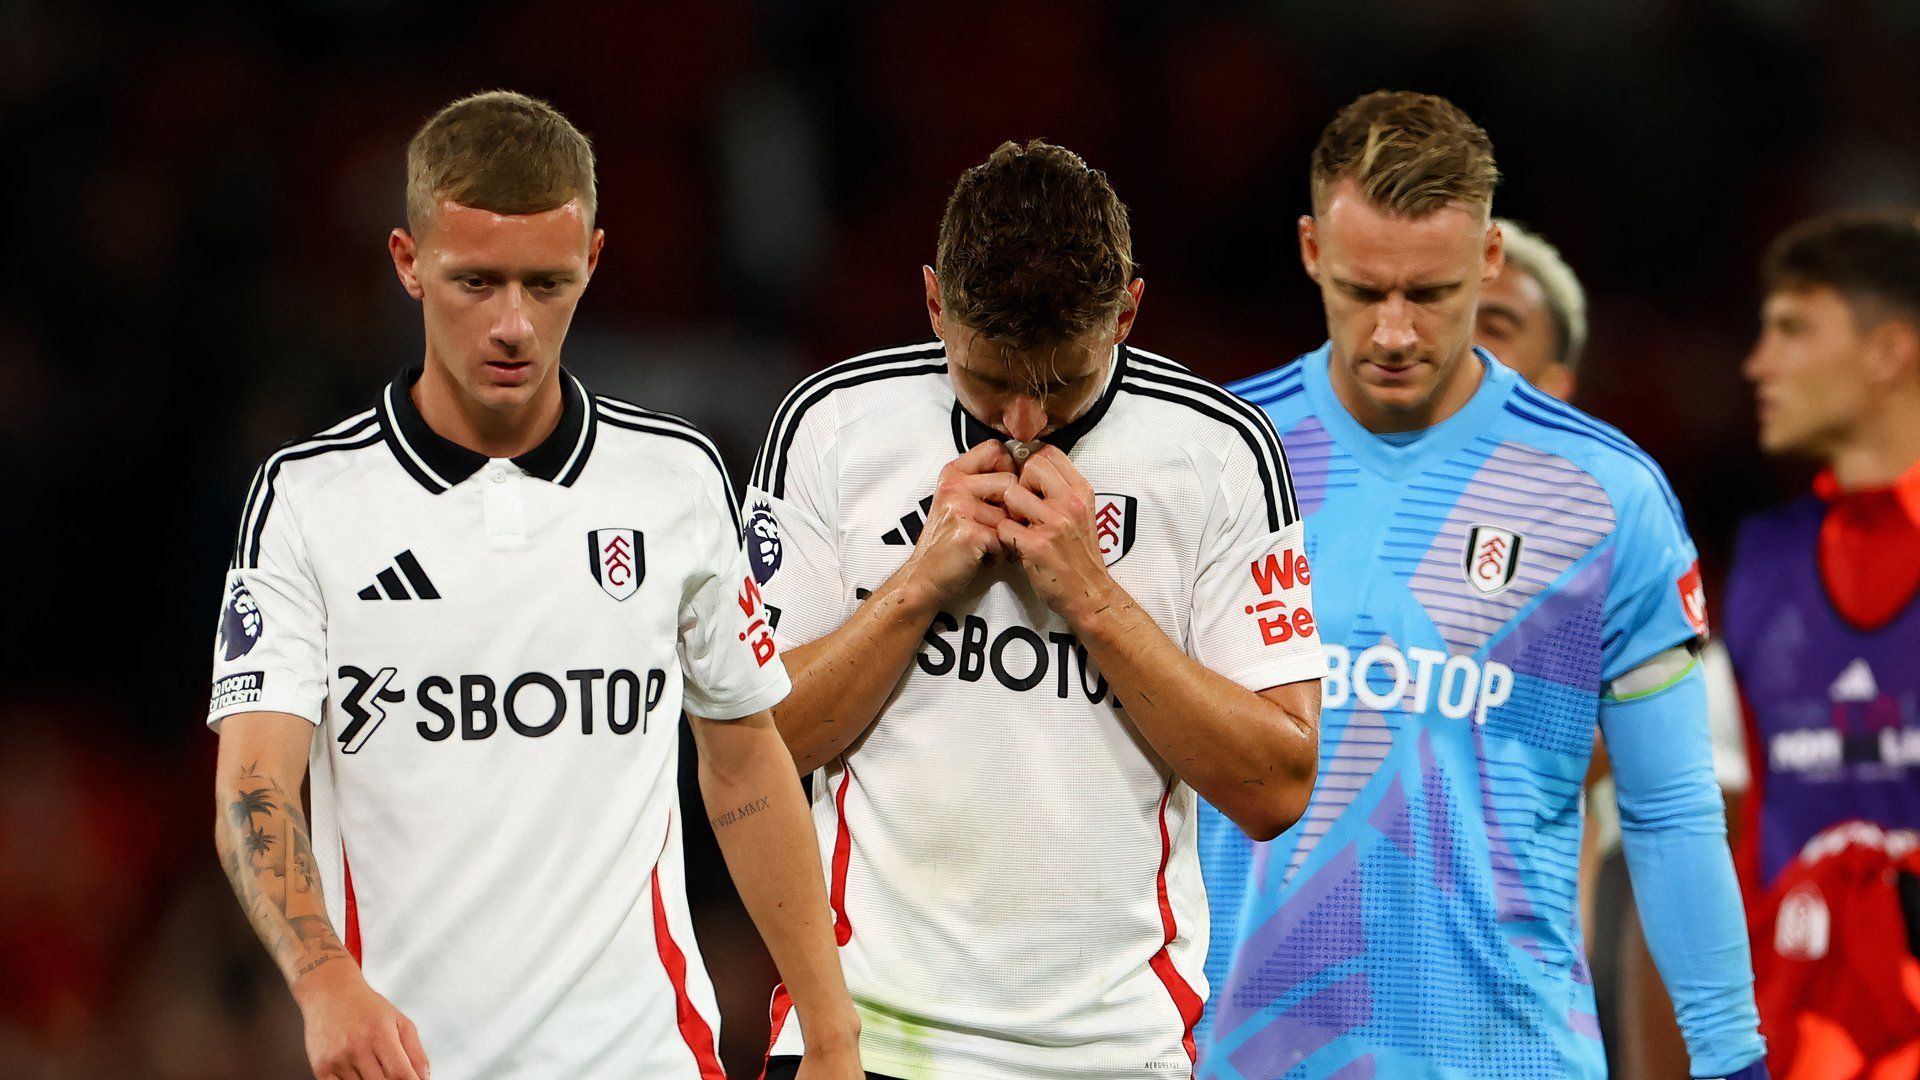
1491 557
618 559
1113 519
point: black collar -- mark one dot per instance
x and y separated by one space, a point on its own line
438 463
969 431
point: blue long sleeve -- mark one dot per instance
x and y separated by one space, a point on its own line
1673 826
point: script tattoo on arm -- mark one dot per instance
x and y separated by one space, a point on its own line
267 851
744 811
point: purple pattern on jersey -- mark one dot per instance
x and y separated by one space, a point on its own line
1509 891
1315 463
1560 639
1324 928
1836 712
1359 747
1316 1021
1559 512
1390 816
1439 815
1584 1024
1556 654
1357 1069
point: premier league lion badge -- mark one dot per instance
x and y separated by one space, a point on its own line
1491 557
618 560
240 622
763 542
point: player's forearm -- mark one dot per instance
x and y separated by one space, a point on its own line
265 847
759 816
1251 758
1690 908
1674 835
841 681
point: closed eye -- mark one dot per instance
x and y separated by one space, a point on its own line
1431 294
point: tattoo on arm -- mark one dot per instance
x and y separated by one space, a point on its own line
267 851
744 811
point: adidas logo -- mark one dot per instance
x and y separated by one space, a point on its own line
1856 683
910 525
388 586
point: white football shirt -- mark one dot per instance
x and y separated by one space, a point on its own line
1012 868
495 654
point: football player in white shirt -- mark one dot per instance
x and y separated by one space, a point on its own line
519 886
1036 588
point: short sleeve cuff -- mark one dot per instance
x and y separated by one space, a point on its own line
1300 667
769 693
246 693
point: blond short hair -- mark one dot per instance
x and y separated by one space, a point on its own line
498 151
1410 153
1531 254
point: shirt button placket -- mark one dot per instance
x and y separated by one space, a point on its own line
500 502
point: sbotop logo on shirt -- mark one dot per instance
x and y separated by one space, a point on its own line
1271 616
763 542
1017 657
618 560
241 623
1382 678
474 706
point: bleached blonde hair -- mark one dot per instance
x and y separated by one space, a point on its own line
1410 153
1531 254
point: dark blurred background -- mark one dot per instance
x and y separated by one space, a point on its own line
197 200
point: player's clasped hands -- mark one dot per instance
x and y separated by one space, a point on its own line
1048 528
1038 514
961 534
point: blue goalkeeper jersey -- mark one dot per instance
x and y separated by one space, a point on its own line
1478 585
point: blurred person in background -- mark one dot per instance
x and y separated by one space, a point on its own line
501 891
1533 314
1037 588
1823 624
1515 572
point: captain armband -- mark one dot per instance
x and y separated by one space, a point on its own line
1656 673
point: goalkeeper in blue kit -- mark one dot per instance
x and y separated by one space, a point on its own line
1499 572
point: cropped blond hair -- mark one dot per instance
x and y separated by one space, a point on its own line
1531 254
1410 153
498 151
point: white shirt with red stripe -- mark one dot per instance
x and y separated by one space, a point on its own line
1012 868
495 654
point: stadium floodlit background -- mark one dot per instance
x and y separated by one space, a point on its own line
196 271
